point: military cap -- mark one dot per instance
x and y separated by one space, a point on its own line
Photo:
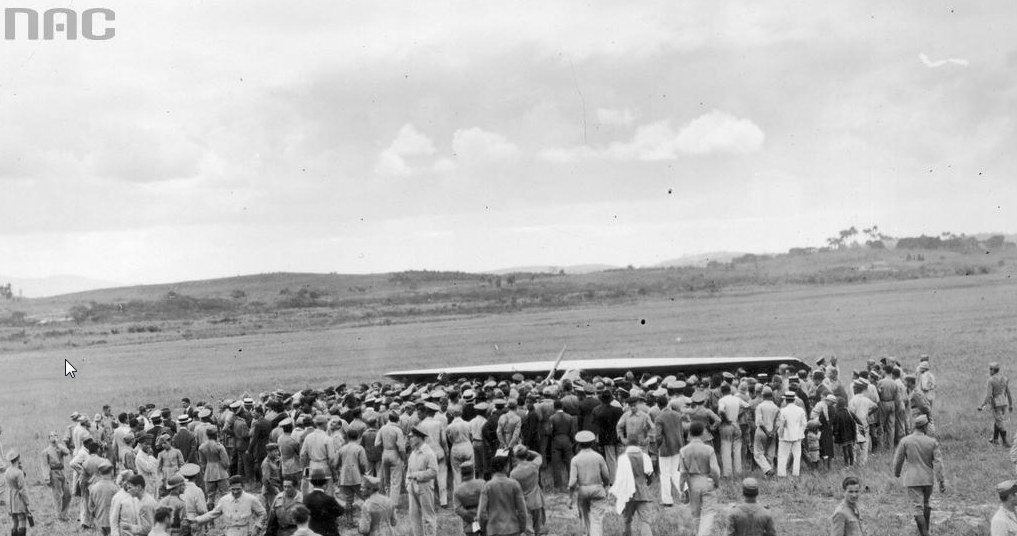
1006 487
586 436
175 482
698 397
651 382
189 470
727 375
517 377
469 394
677 384
481 406
921 421
499 402
155 415
13 456
790 395
750 486
419 432
236 405
437 394
248 401
205 413
432 406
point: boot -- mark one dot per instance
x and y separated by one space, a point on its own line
928 517
923 527
1002 435
995 435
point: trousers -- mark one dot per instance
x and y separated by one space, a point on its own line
762 450
669 477
423 520
730 449
792 449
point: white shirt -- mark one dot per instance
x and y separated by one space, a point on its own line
791 422
731 405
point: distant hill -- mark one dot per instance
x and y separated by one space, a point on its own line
54 285
574 269
700 259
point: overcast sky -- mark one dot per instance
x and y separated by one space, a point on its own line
220 138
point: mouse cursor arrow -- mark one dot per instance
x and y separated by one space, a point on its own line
69 369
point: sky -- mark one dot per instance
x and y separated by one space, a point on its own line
212 139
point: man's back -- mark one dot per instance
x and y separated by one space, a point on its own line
503 506
669 432
751 519
917 460
324 512
527 473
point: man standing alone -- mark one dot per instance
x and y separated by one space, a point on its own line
919 464
998 397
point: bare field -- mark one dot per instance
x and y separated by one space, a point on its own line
962 322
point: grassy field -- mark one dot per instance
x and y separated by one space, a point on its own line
962 322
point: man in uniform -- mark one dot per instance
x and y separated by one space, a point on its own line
588 481
697 465
421 470
280 513
243 512
17 494
919 464
317 452
53 460
527 473
749 518
998 397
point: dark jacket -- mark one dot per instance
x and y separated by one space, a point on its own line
325 510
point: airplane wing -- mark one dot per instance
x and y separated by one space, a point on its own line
607 367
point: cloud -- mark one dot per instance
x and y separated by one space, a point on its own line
939 63
714 132
615 118
408 142
719 132
476 146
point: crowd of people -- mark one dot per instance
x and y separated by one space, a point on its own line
314 461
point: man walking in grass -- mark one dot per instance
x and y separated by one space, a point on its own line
919 464
998 397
